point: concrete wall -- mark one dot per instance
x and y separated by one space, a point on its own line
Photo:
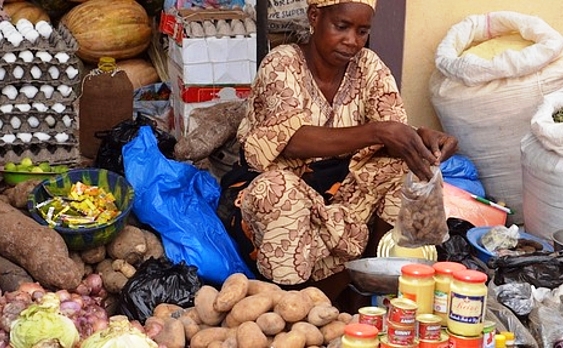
427 22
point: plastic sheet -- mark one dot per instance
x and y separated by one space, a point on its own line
541 269
155 282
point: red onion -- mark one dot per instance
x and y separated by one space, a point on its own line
82 289
63 295
94 283
70 308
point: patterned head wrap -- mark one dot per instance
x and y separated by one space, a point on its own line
321 3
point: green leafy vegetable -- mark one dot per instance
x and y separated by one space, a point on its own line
42 322
119 333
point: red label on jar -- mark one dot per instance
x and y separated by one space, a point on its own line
401 313
429 332
401 334
372 316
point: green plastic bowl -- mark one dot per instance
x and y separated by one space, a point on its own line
87 237
14 178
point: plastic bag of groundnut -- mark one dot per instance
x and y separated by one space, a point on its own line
422 216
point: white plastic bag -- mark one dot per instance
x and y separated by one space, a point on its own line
549 132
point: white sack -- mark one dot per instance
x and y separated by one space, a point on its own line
473 70
542 173
549 132
489 119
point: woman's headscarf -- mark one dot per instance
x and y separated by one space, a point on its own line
321 3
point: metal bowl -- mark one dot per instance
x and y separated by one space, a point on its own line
379 275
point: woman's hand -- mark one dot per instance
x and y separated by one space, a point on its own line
442 145
420 149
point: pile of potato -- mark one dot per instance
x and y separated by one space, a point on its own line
248 313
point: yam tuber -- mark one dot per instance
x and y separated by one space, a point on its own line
155 249
40 250
17 195
120 265
13 276
129 245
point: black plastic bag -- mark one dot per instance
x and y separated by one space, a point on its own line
158 281
541 269
458 249
109 154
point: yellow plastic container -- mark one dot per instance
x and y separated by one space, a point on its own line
468 298
416 283
443 278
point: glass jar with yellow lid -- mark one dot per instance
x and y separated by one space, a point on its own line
359 335
468 297
443 278
416 283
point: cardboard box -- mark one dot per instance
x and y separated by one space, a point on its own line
197 93
215 61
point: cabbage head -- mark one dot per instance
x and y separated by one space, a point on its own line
43 322
119 333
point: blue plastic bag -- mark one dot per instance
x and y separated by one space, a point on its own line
179 201
459 171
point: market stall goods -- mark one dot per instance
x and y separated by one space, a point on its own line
38 249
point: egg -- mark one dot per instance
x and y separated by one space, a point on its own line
67 120
33 122
18 72
50 120
15 122
44 29
54 72
29 90
9 57
31 36
10 91
71 72
40 107
23 107
26 56
2 73
36 72
6 24
8 138
47 90
15 38
25 137
64 90
1 124
62 57
23 23
42 136
58 107
6 108
61 137
44 56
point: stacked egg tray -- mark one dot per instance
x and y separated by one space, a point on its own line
39 76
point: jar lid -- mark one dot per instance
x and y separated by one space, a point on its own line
500 341
361 330
470 276
417 270
448 267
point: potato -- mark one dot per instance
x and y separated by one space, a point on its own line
294 306
270 323
172 334
233 290
215 344
203 303
256 286
164 310
344 317
230 321
322 315
313 335
129 245
317 295
190 326
291 339
249 335
251 307
94 255
332 330
204 337
230 342
192 314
